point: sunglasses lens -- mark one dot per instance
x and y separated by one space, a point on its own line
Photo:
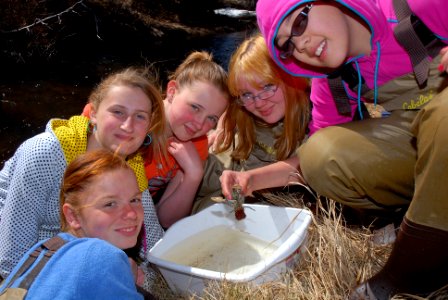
298 28
286 50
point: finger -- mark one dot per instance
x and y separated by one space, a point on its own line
225 184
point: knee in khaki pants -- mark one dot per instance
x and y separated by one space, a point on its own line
323 161
365 164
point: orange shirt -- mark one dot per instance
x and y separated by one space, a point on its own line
159 174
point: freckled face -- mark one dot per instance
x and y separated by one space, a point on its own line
325 41
113 209
194 110
270 110
122 120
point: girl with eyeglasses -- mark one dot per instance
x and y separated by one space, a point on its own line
260 131
379 120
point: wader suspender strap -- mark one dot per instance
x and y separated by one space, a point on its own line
417 39
339 96
335 81
52 245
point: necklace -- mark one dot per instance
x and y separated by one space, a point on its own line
268 149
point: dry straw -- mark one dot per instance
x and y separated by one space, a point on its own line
338 257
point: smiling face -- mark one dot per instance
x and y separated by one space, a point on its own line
326 39
194 109
111 209
122 120
270 110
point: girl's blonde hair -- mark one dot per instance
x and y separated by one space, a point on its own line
81 172
199 66
251 62
143 79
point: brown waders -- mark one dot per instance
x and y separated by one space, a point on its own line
384 164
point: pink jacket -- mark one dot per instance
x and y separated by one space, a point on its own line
387 60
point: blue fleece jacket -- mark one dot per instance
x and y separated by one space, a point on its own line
83 268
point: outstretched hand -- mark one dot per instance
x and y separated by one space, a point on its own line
230 178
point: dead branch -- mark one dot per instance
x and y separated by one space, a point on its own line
42 21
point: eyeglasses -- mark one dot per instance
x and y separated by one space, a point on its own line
297 29
249 98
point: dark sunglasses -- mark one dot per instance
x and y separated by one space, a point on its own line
297 29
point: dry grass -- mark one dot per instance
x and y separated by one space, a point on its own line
338 258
